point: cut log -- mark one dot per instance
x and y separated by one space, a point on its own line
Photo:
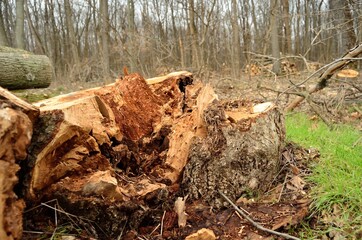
21 70
15 134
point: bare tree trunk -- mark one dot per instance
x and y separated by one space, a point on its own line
38 45
235 49
3 38
71 33
287 30
131 30
19 26
105 37
255 23
342 20
298 41
274 35
193 32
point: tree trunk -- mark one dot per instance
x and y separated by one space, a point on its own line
343 26
274 36
193 36
3 38
235 50
74 57
131 38
22 70
19 26
287 28
105 38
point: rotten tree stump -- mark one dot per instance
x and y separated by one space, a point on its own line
112 154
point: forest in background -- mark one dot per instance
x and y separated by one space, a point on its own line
87 40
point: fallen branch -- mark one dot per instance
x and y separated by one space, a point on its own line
327 74
255 224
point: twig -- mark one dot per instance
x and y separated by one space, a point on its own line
327 74
121 233
228 217
255 224
154 230
163 217
281 191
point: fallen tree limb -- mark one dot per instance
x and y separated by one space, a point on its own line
255 224
327 74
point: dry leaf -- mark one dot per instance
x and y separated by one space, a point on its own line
202 234
298 182
245 200
295 169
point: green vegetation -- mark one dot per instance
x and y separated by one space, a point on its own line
337 176
35 95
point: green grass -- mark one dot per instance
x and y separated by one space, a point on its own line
337 176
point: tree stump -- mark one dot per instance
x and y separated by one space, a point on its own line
240 153
115 153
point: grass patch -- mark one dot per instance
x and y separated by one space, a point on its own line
337 177
35 95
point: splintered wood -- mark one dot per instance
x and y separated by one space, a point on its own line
107 153
16 129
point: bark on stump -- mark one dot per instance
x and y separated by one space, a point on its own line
16 126
240 153
22 70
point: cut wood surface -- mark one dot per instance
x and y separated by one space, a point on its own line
22 70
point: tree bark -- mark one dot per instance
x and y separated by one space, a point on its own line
240 152
22 70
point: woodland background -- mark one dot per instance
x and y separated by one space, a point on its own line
88 40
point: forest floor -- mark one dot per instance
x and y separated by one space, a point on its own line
288 204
